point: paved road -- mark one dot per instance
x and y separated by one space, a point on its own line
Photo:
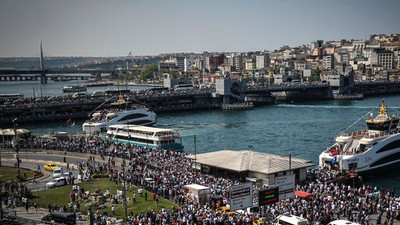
31 160
34 217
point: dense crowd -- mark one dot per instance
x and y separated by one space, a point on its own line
170 171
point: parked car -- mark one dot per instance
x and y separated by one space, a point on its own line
60 218
58 182
68 175
57 172
50 166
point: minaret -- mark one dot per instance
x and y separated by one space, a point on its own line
41 57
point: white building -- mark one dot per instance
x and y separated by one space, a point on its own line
262 61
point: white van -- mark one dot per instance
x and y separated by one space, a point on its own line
290 220
58 172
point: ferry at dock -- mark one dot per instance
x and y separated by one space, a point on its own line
73 88
366 151
145 136
102 119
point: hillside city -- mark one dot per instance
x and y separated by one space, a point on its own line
373 59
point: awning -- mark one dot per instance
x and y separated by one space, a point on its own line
302 194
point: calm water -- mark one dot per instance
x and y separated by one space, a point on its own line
302 128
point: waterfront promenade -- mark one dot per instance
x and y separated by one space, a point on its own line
171 171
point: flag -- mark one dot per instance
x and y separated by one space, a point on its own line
333 160
351 175
69 120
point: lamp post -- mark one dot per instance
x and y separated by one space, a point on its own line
125 204
15 145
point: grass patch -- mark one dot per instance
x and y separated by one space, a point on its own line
61 197
10 173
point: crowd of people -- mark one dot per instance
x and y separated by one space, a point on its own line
170 171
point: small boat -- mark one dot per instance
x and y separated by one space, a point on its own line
73 88
366 151
145 136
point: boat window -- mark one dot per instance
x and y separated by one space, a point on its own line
352 166
139 122
390 146
132 116
386 159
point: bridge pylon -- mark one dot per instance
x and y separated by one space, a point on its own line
43 78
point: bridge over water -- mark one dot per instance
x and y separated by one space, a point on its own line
43 73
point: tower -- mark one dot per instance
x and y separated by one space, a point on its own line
43 77
41 57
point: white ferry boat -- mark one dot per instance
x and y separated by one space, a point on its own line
369 150
101 120
73 88
145 136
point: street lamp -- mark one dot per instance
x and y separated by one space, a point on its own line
15 145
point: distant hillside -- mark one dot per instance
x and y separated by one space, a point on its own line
80 62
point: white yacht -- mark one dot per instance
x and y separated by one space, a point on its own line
144 136
369 150
101 120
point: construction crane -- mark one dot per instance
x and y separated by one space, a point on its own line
130 56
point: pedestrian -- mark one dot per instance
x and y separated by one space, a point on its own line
38 168
34 179
49 207
156 201
26 205
113 210
134 197
35 206
140 191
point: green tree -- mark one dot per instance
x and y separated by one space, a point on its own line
148 72
315 75
213 69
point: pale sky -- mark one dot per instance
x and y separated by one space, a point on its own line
151 27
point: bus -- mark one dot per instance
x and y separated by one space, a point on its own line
183 87
290 220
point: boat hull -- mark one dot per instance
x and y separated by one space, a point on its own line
175 146
385 154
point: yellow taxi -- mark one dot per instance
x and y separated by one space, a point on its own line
50 166
261 221
225 210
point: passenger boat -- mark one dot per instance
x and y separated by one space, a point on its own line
74 88
145 136
369 150
101 120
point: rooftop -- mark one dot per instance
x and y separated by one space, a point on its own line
249 161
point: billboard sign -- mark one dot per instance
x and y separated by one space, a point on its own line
268 196
286 186
241 196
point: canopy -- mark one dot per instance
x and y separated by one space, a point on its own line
302 194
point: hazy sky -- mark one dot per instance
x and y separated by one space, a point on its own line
151 27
